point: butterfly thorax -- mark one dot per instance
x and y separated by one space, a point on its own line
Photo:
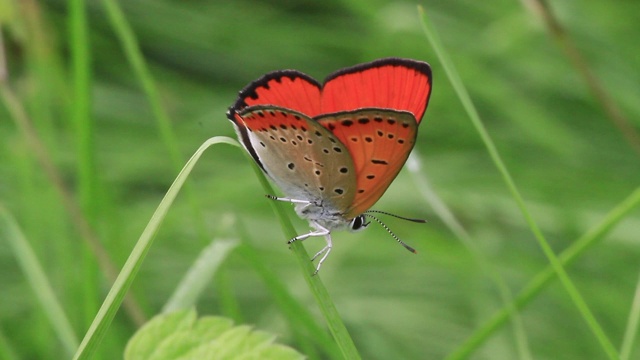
317 212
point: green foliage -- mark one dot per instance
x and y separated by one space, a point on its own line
181 336
101 105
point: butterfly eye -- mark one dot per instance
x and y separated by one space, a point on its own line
358 223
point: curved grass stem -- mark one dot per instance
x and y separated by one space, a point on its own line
112 302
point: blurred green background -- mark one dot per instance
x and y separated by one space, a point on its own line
569 159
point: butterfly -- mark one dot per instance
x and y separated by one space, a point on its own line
334 148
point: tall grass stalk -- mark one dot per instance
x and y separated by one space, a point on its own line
414 165
81 106
632 326
36 277
544 278
465 99
132 51
83 125
28 131
617 117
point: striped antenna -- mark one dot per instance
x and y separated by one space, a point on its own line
391 232
396 216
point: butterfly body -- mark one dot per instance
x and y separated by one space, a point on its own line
333 149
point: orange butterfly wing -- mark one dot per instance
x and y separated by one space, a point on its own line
379 142
375 109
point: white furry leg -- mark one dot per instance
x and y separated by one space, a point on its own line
295 201
320 231
325 250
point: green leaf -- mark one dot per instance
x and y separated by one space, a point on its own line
146 341
180 335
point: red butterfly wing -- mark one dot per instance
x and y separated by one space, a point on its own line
289 89
374 109
391 83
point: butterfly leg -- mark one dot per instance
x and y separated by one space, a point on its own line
295 201
326 250
320 231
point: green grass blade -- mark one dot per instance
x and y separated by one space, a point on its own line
632 326
327 307
543 278
112 302
43 155
37 278
81 105
84 135
590 76
302 322
132 51
465 99
414 165
134 55
199 275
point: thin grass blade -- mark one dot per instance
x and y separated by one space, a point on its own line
544 278
37 279
200 274
465 99
414 165
112 302
628 341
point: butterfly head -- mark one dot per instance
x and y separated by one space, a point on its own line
359 223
